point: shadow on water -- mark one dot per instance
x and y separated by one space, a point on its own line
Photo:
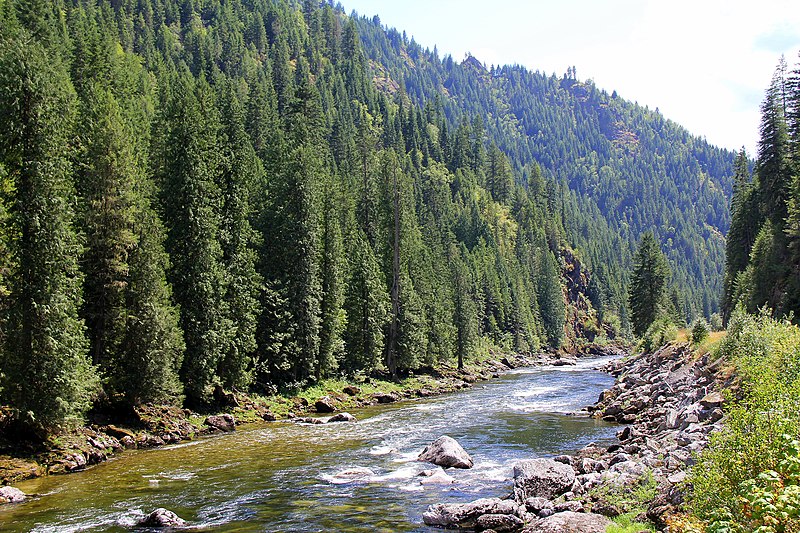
282 477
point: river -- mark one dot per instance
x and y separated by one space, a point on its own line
282 476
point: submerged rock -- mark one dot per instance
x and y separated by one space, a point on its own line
11 495
436 476
342 417
445 451
224 422
162 518
465 515
543 478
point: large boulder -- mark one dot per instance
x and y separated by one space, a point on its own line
445 451
11 495
162 518
569 522
544 478
465 515
326 404
224 422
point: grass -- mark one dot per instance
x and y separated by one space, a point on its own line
627 523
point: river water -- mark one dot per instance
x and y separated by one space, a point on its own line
283 476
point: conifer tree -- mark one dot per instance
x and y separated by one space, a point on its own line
551 299
188 167
465 313
648 288
48 377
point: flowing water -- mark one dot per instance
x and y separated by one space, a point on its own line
283 476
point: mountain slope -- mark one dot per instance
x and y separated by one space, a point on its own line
635 168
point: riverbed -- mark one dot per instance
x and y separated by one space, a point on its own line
283 476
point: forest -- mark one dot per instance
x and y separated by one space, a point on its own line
256 195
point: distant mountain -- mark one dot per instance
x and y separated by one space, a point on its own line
628 169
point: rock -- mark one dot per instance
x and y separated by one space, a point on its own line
536 504
118 432
224 422
499 522
351 390
506 362
574 506
326 404
711 400
357 473
465 515
541 477
677 477
309 420
342 417
13 470
435 476
269 416
445 451
11 495
162 518
566 459
128 443
569 522
383 397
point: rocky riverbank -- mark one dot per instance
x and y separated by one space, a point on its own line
669 400
151 426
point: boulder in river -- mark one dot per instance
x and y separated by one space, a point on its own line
224 422
569 522
11 495
445 451
500 523
543 478
465 515
435 476
384 397
162 518
342 417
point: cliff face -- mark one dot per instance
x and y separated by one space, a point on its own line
582 322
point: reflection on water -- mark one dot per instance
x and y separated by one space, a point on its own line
283 476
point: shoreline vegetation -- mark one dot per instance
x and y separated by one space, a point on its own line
108 434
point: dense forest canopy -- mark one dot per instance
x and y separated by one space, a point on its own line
261 194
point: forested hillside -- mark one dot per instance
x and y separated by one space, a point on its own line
257 195
620 169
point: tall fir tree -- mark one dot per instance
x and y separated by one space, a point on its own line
47 377
648 287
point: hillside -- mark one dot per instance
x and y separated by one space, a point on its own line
628 169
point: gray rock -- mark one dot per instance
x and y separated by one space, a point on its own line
342 417
569 522
162 518
11 495
309 420
465 515
541 477
445 451
500 523
536 504
224 422
574 506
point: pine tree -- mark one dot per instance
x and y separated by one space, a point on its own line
240 174
773 151
465 313
188 168
551 299
47 375
648 287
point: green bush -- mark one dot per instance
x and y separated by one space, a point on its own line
746 480
700 330
716 322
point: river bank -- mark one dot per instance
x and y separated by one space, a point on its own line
155 426
670 401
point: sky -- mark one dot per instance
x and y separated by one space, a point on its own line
704 63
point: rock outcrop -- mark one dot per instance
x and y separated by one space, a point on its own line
466 515
541 478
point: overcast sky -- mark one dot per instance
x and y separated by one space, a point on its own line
704 63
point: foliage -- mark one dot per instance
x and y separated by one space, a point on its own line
658 334
648 289
744 479
700 330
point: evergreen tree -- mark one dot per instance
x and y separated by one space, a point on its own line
188 168
48 378
551 299
648 288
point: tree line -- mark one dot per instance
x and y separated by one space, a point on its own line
196 194
762 265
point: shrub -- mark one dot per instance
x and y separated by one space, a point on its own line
700 330
658 334
748 478
716 322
